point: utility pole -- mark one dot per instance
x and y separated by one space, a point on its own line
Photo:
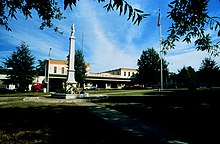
48 71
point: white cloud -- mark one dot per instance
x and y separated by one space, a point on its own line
186 55
108 44
109 40
192 58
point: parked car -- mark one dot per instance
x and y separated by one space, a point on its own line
90 87
37 87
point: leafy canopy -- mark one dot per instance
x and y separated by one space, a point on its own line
190 18
48 10
190 21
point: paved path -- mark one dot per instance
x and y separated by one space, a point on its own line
141 131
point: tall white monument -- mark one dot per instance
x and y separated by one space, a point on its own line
71 88
71 71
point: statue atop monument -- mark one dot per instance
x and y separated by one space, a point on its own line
73 29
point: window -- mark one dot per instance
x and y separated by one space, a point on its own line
62 70
124 73
129 73
55 70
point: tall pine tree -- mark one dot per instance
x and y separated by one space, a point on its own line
20 69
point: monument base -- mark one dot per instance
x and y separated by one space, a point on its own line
68 96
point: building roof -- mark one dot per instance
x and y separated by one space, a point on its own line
58 62
87 64
126 69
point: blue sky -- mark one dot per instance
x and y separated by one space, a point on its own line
108 40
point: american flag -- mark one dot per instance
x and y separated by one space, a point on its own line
158 23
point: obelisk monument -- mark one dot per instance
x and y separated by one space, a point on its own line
71 70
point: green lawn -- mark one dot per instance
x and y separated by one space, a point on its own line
25 94
138 92
192 115
42 123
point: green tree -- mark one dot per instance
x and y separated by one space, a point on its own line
209 72
80 67
190 19
187 77
48 10
173 77
149 68
40 68
20 67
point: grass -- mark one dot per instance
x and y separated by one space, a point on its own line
17 97
137 92
34 122
26 94
54 124
40 122
192 115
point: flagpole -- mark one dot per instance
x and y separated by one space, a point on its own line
161 53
